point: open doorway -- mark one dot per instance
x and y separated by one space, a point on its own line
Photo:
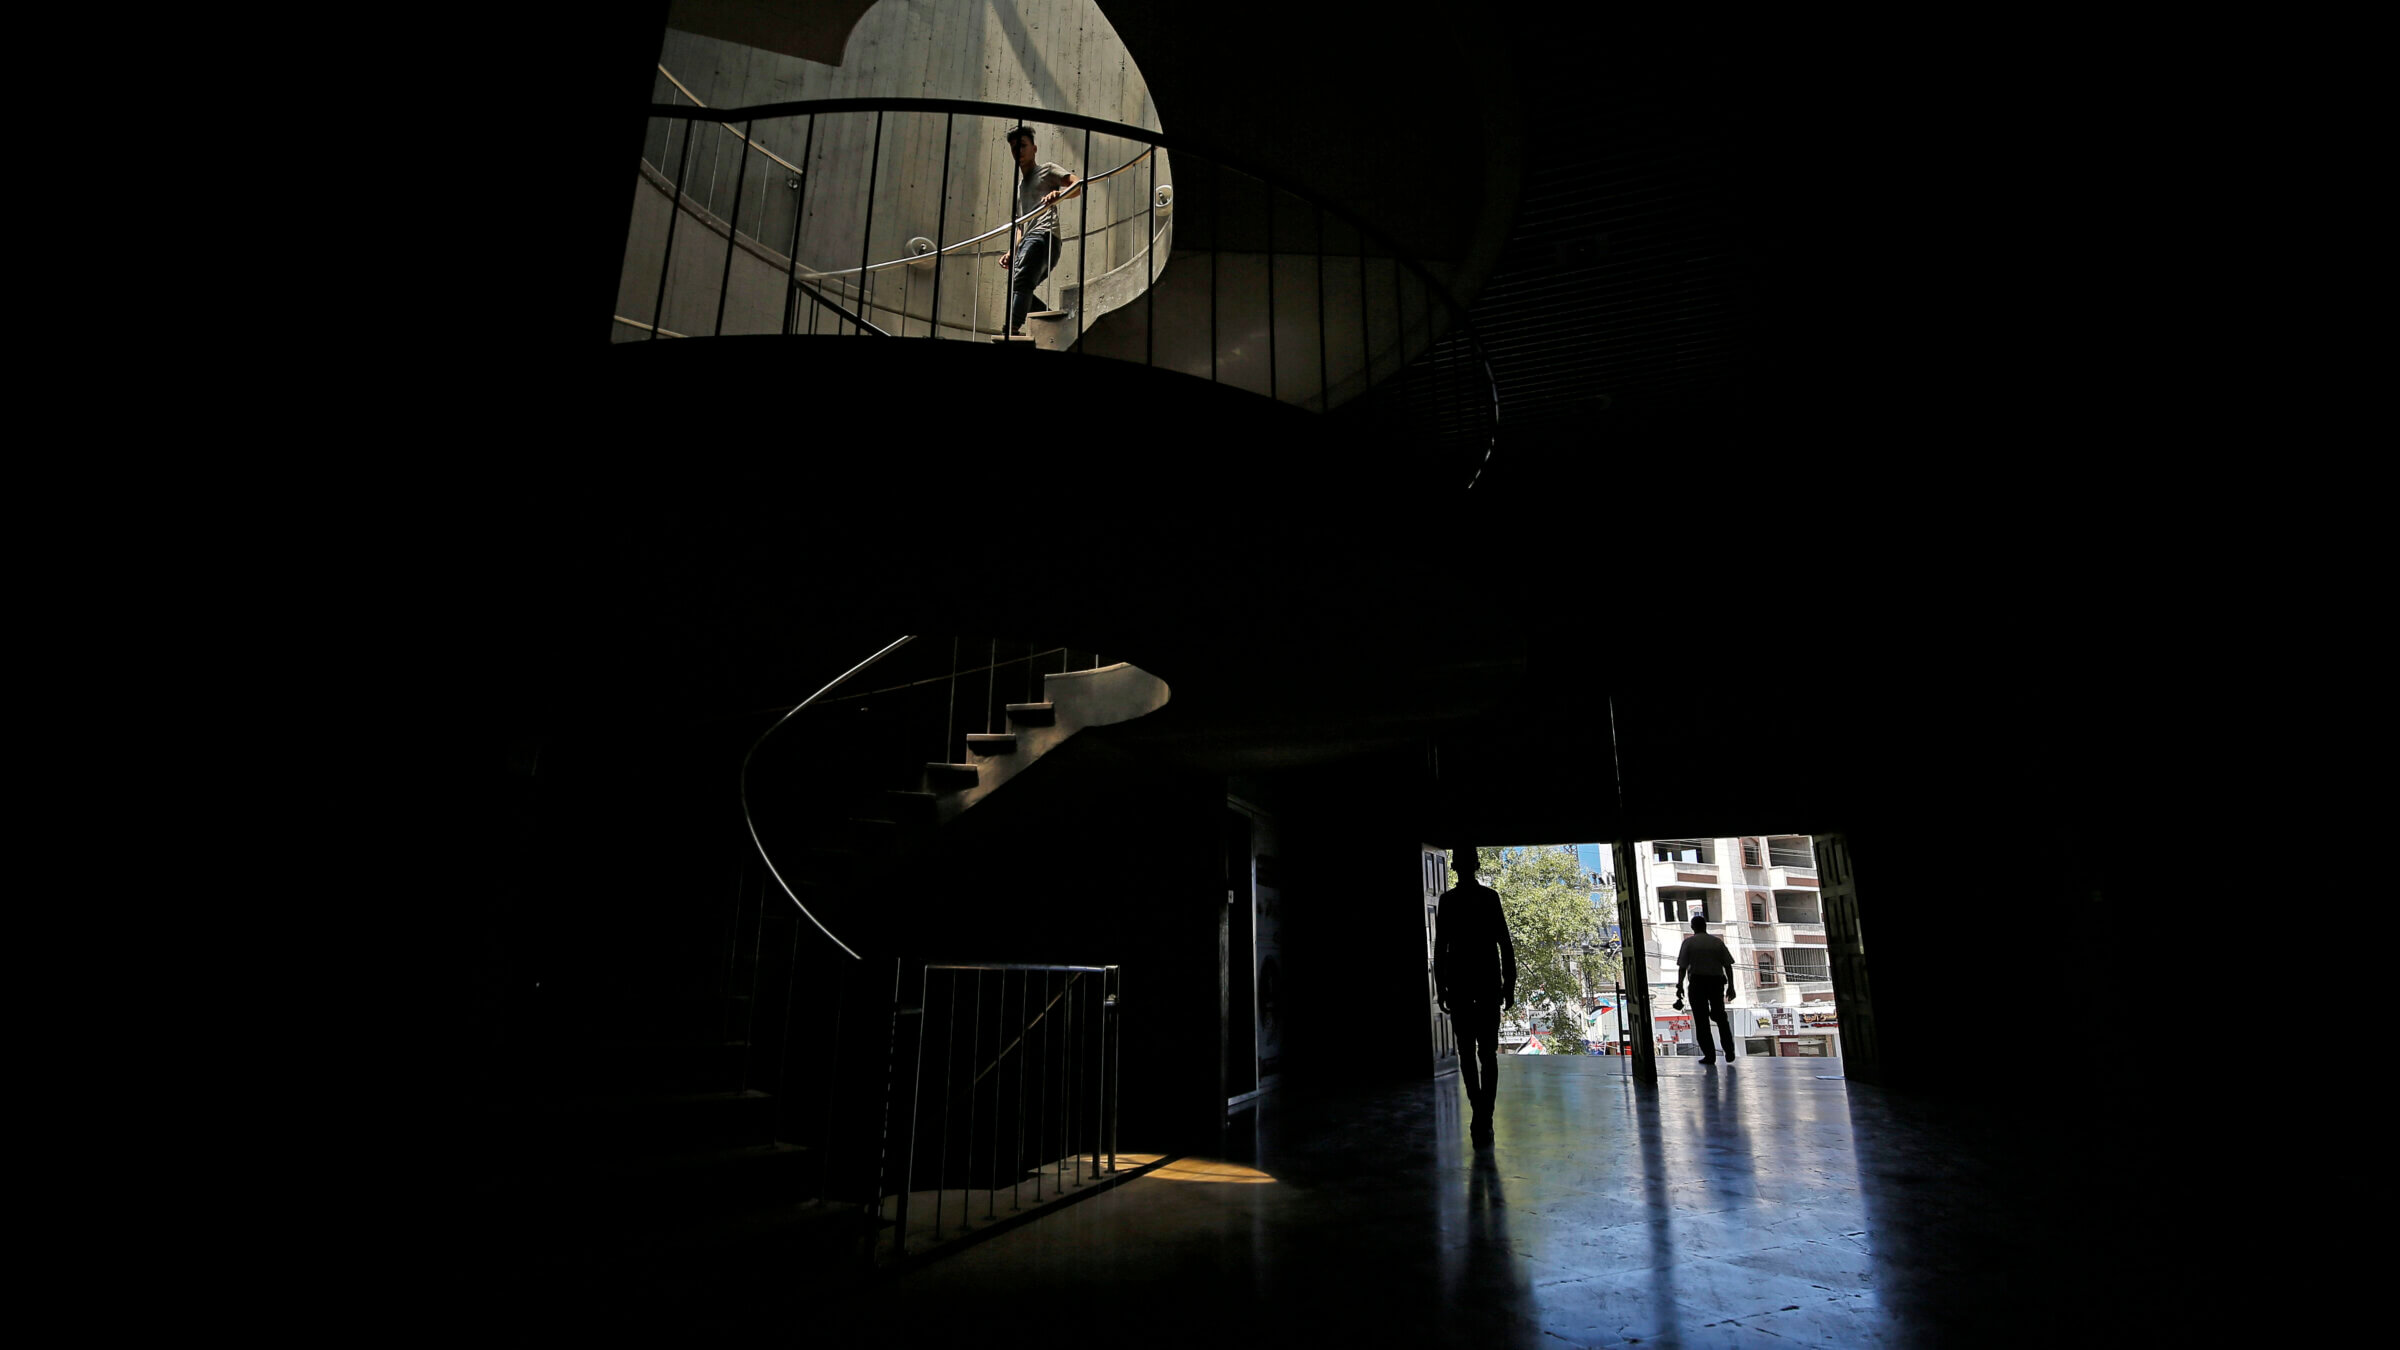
1763 897
1585 981
1560 904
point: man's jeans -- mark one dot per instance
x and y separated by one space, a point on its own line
1033 261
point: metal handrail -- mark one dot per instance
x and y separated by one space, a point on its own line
752 822
1080 184
1156 140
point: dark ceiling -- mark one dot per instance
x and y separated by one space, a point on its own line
1738 484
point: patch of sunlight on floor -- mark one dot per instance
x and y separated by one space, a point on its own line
1209 1169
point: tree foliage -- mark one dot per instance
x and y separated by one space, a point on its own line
1545 897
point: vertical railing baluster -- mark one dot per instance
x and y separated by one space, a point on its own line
791 291
941 222
867 234
1083 1091
666 260
1024 1033
908 1148
1083 246
950 710
1041 1097
716 156
1116 1077
1068 1064
991 1193
1066 1074
733 227
991 677
1097 1014
974 1086
941 1165
1150 271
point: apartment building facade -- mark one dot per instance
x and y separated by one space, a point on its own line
1760 894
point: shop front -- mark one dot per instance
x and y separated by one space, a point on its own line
1808 1030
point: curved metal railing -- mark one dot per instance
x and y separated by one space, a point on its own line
1384 332
750 822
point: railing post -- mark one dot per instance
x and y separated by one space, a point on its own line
1016 1173
1070 1066
666 260
1150 271
941 221
974 1049
867 233
1116 1077
1216 249
1041 1095
941 1158
908 1157
791 281
1083 246
950 710
733 226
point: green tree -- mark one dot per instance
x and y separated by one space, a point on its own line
1545 896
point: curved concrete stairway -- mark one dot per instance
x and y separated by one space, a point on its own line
642 1114
1073 700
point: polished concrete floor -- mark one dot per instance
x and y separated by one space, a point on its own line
1768 1204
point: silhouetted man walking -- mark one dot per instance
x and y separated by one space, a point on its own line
1475 972
1705 958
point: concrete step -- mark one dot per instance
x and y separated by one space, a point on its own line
1003 743
951 777
1033 714
911 808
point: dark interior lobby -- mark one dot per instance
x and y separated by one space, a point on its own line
1758 546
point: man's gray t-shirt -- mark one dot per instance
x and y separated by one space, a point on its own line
1030 190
